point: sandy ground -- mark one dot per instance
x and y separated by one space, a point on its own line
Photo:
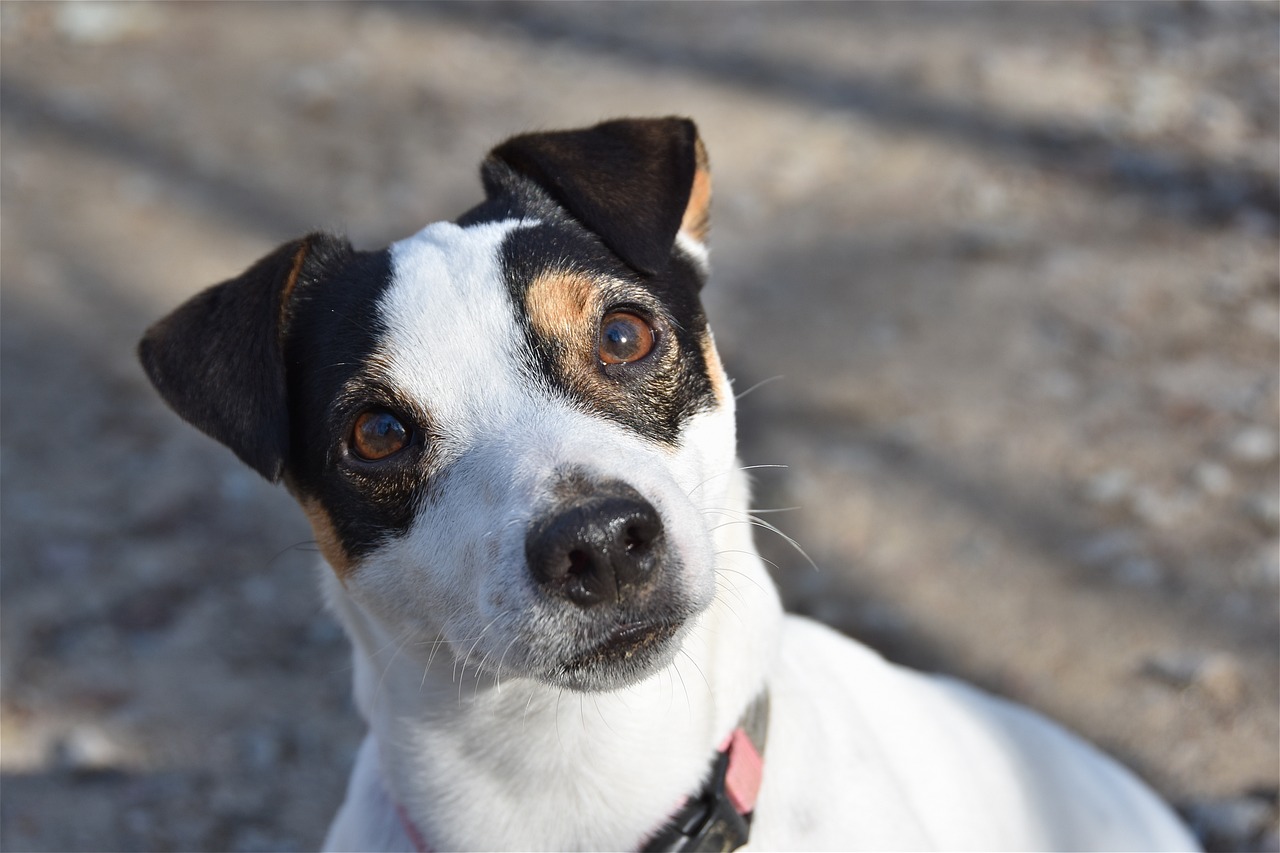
1008 275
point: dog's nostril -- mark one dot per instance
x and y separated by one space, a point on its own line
633 540
580 563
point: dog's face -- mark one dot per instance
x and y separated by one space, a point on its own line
510 433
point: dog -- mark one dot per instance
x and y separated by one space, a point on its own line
514 441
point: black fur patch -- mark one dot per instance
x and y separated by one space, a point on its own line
218 362
333 335
627 181
653 397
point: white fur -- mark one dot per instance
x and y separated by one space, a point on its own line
448 632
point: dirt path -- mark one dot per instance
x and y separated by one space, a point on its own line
1015 265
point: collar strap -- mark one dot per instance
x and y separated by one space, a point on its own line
719 817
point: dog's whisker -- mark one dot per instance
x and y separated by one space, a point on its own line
760 522
755 521
479 671
435 648
497 678
559 737
729 471
722 570
400 644
462 676
688 701
760 384
298 546
701 674
751 554
595 700
727 584
729 589
524 720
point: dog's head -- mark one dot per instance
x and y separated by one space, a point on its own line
511 431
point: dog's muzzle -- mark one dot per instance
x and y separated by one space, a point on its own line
602 545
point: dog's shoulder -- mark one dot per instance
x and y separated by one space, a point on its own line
869 753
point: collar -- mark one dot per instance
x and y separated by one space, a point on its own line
718 817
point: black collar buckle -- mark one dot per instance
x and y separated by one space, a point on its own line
708 823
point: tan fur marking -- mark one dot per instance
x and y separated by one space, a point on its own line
697 215
562 307
286 292
327 538
719 380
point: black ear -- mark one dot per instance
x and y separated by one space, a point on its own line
218 359
634 182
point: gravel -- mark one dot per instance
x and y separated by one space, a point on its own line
1016 264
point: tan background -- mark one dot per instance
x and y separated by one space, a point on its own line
1016 266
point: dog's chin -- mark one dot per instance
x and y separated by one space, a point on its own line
629 654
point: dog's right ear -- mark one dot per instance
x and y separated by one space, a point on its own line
218 359
636 183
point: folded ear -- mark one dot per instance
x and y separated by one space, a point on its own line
218 359
634 182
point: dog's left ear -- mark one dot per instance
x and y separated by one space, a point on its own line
218 359
637 183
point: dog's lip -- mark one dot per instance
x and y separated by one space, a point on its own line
624 642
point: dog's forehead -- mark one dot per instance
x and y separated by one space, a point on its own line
451 341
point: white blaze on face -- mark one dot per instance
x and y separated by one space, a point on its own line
455 347
453 343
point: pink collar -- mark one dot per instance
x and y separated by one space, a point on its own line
717 817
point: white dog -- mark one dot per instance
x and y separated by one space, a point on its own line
515 443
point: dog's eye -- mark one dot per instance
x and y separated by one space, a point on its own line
377 435
624 338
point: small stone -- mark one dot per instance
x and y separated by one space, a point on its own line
1230 824
1139 571
1212 479
1106 548
1254 445
140 821
102 23
1109 488
262 748
86 749
1265 318
1221 678
1159 510
1176 670
1263 509
1057 385
1266 566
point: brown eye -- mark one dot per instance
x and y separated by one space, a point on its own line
377 435
624 338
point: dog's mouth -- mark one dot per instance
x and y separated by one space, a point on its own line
628 648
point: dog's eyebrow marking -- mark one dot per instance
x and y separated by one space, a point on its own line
562 306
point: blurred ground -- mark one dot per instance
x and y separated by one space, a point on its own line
1016 266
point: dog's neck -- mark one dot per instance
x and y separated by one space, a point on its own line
484 761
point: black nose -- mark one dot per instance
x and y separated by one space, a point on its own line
598 548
